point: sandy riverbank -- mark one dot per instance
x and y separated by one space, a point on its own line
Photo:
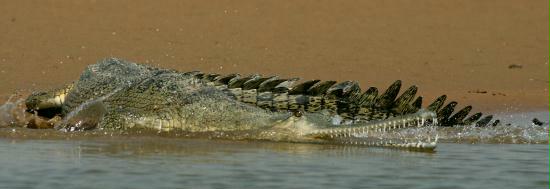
445 47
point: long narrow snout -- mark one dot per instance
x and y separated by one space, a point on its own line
413 131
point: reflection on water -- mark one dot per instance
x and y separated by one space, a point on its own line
145 162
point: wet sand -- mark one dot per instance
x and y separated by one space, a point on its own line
457 48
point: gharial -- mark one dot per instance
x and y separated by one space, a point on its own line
115 94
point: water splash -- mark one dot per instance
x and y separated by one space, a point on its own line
12 113
515 128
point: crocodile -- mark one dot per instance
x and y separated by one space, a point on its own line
116 94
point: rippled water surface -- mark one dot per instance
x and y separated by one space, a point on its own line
155 162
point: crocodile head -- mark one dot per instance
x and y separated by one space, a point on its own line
47 103
413 131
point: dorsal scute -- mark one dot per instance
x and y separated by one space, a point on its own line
402 103
472 119
269 85
238 83
368 97
485 121
415 106
458 117
444 113
302 88
285 86
437 103
344 89
210 77
254 83
344 98
224 80
320 88
386 99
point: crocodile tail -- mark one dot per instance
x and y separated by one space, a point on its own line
446 117
344 98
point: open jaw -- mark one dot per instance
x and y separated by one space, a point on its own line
413 131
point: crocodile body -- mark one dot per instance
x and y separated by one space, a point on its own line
116 94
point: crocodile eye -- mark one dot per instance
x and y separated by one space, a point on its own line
297 113
34 99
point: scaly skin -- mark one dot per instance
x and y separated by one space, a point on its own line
115 94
